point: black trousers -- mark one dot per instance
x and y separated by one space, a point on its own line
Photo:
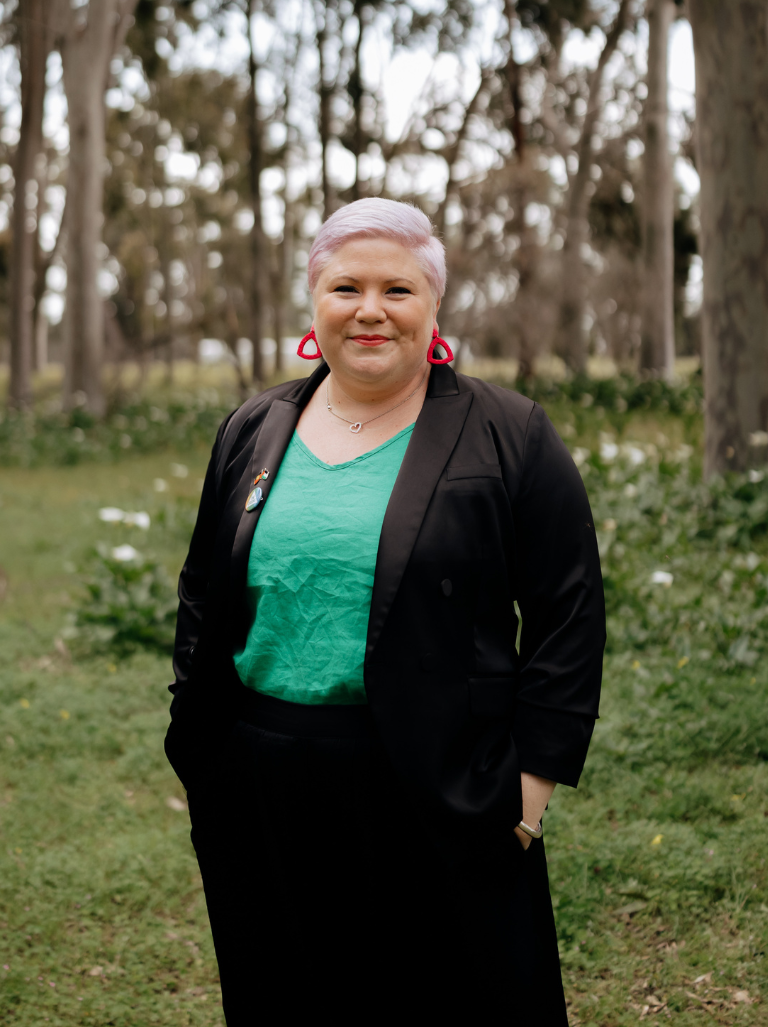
328 897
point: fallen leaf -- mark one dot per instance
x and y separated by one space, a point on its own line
701 1001
175 804
631 907
743 996
96 971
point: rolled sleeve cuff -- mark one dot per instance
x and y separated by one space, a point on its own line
552 743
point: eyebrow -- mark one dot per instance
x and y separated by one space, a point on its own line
387 281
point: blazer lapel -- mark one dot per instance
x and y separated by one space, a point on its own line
437 430
268 451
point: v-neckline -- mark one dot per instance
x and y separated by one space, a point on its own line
304 448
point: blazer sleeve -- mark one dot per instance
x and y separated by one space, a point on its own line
560 597
196 572
196 723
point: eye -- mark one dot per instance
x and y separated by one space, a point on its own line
345 288
400 290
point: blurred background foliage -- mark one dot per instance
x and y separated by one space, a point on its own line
233 126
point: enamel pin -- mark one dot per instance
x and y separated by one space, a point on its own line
255 496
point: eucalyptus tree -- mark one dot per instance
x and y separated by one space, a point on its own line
731 50
33 21
657 350
571 336
88 36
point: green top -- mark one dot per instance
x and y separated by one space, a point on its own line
310 574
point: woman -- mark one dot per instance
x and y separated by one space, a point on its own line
367 756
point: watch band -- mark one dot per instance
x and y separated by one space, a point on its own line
534 832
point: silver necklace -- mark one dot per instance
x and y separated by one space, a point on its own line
355 426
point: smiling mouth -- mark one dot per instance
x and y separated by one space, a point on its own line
370 340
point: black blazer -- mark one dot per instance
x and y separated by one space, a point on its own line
488 509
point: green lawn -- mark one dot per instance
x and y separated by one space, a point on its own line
658 861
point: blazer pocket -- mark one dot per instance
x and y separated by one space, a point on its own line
457 471
492 696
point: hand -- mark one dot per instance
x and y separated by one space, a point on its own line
525 839
537 791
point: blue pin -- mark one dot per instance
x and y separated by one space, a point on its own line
254 499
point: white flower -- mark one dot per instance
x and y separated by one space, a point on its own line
756 476
580 455
125 554
662 578
608 451
609 524
179 470
751 562
758 438
161 485
630 490
140 519
635 455
111 514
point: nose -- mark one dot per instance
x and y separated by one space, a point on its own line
370 309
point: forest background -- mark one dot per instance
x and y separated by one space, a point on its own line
163 169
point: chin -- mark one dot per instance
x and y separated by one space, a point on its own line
371 365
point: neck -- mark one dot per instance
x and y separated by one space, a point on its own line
346 391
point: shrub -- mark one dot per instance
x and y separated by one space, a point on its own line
186 420
128 604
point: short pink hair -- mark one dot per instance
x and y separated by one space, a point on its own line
376 218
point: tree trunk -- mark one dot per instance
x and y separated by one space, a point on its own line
570 337
657 348
325 94
259 256
731 49
356 92
91 36
528 250
36 41
282 288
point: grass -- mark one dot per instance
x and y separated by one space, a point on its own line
657 861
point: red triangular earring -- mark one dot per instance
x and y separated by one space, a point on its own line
437 341
309 356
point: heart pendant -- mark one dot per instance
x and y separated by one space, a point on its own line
355 428
253 499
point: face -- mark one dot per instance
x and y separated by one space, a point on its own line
374 312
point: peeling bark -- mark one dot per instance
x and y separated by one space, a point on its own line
731 49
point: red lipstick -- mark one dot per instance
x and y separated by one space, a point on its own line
370 340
